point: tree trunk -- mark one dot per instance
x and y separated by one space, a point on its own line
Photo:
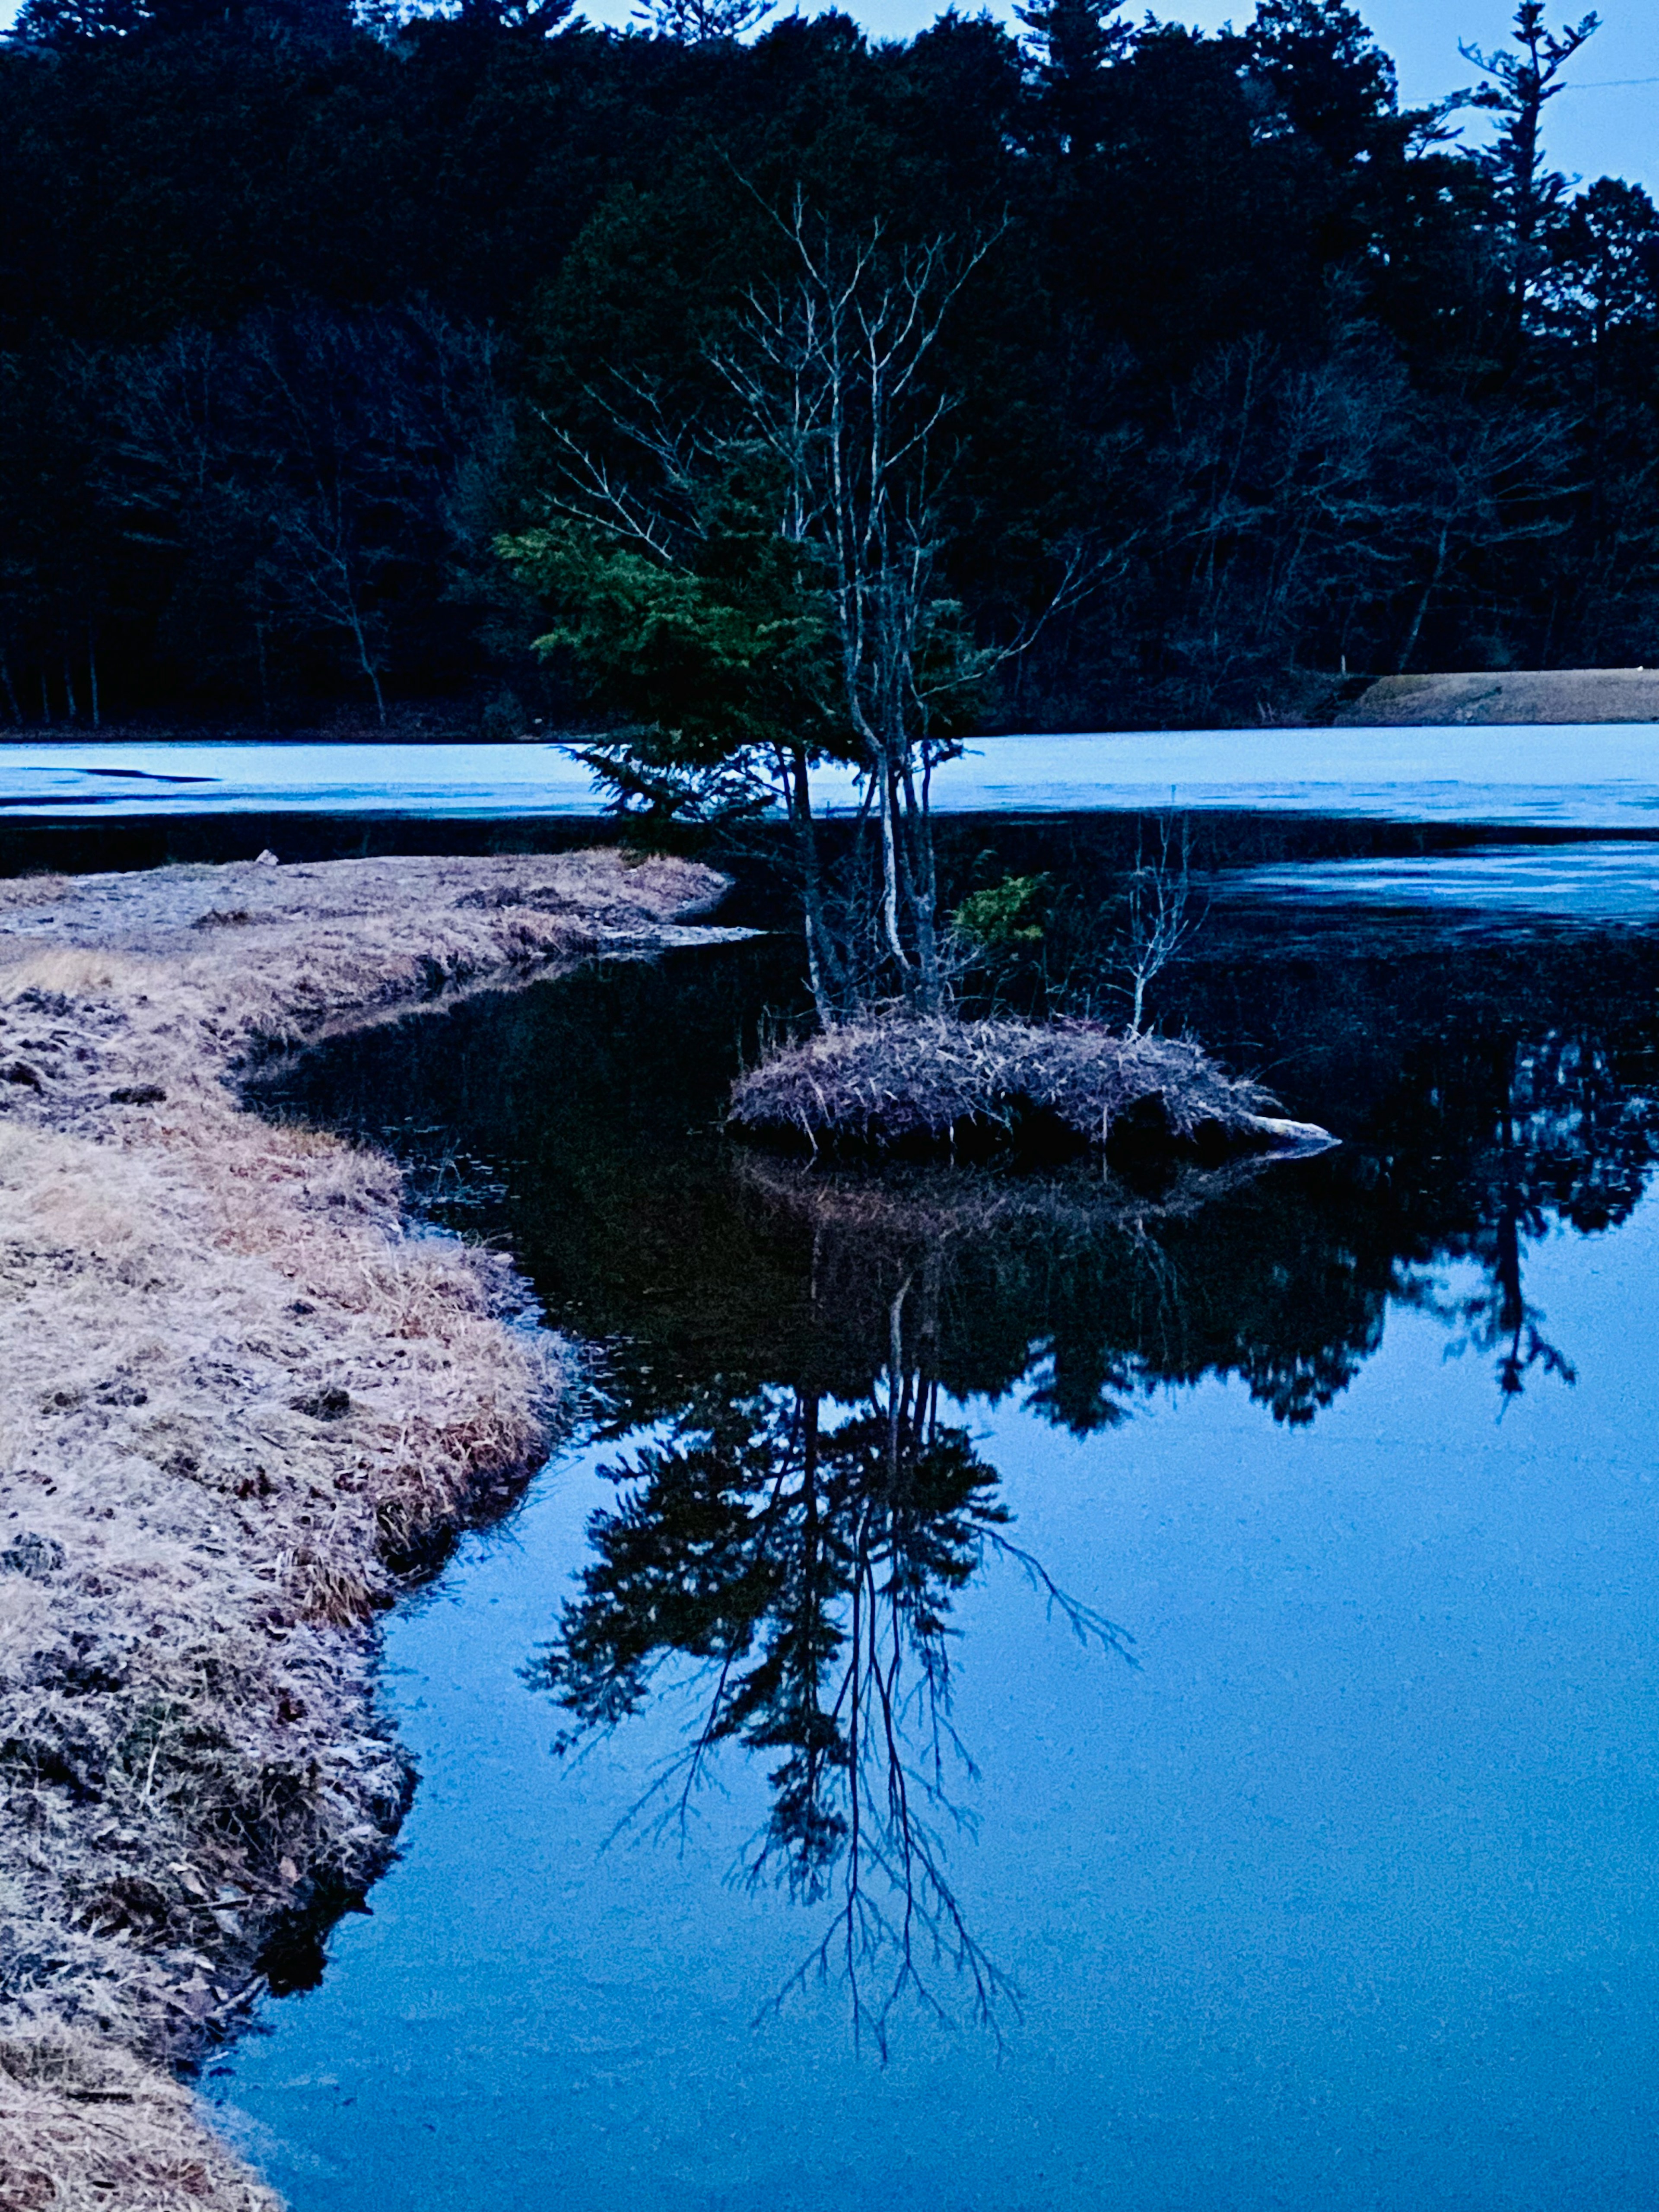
889 871
350 616
822 962
922 886
1429 589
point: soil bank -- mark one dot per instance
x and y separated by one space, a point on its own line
241 1395
1507 696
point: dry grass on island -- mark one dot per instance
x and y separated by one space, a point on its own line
911 1087
238 1393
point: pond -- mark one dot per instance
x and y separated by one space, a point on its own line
1025 1692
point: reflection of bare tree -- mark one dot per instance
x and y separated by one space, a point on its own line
810 1555
1564 1141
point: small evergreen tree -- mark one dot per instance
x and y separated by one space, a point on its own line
1518 88
1071 45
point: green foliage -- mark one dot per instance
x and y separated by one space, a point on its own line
714 659
1004 913
708 664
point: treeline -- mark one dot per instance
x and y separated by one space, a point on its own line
1250 377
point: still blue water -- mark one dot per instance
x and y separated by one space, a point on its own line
1336 1886
1344 1896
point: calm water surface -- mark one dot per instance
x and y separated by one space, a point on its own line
1122 1695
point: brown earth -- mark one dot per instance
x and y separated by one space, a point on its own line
1508 696
238 1394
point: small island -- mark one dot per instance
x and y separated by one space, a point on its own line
916 1088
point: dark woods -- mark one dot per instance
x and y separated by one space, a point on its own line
1235 376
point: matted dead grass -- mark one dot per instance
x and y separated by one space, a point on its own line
910 1086
239 1392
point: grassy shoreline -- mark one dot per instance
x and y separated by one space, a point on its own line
239 1393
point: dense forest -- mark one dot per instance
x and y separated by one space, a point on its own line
334 343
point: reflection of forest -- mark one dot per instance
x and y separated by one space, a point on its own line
804 1509
1483 1093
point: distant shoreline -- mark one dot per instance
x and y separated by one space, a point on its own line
1493 697
1505 697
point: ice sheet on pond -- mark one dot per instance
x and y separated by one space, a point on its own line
1593 883
1566 777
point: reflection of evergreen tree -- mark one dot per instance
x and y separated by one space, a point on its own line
1554 1137
805 1516
809 1558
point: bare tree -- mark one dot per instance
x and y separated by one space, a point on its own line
832 371
298 472
1161 917
1280 504
833 400
1483 479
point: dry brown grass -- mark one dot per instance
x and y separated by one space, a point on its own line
85 2128
237 1391
905 1084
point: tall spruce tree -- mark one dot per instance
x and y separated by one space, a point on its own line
1071 45
1518 88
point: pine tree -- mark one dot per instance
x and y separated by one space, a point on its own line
1072 44
1518 85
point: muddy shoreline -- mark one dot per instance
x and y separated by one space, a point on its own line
242 1396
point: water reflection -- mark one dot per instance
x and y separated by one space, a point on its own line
1595 882
787 1355
1555 1133
809 1556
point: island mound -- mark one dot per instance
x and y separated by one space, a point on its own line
912 1087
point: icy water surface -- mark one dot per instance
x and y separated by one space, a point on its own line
1566 776
1122 1695
1595 881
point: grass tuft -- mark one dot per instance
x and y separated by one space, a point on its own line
912 1087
